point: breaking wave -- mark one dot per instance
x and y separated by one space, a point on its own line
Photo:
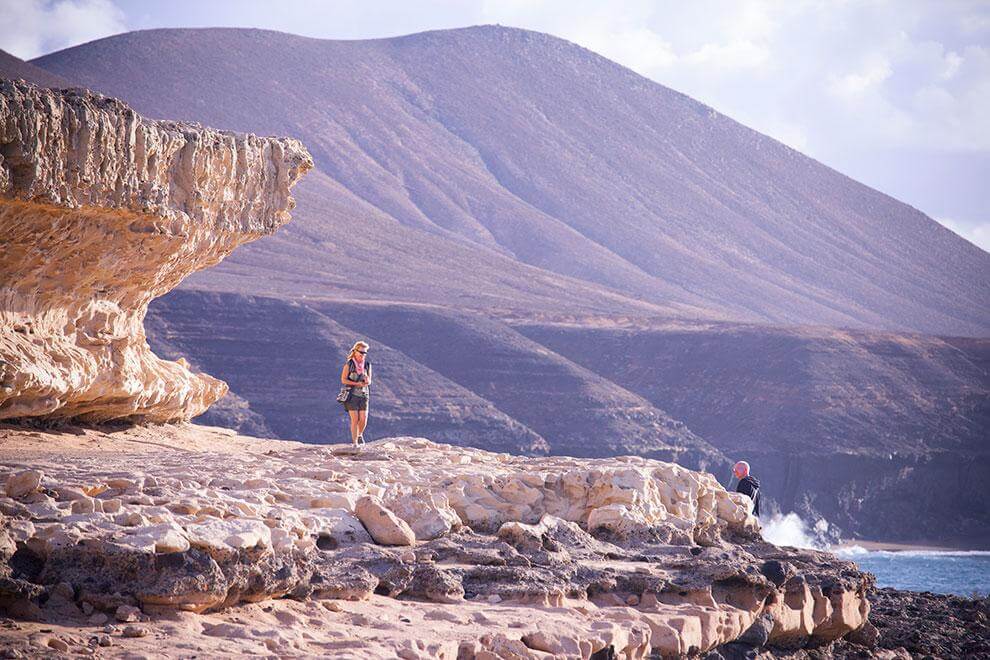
790 529
856 551
960 572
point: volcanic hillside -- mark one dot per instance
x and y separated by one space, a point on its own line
12 68
487 166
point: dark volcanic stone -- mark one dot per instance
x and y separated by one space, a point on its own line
776 571
758 633
926 625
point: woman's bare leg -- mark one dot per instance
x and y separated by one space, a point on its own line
354 425
362 421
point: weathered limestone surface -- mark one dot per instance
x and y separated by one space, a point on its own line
101 211
560 556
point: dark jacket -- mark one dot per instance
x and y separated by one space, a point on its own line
751 486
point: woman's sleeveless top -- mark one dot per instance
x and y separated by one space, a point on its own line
352 375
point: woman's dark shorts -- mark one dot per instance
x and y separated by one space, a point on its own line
355 402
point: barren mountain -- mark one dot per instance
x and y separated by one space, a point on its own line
535 160
14 68
457 376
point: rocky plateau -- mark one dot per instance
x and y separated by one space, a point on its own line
176 536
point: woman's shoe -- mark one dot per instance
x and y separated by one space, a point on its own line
360 440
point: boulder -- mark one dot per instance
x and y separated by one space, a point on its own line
127 614
335 527
618 519
428 513
866 635
166 537
23 483
84 505
385 527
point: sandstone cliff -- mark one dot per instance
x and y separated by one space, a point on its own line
405 548
101 211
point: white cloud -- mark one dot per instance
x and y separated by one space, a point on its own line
952 63
855 84
736 54
641 50
34 27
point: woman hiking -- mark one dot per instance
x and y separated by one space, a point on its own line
356 375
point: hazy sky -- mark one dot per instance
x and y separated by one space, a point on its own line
893 93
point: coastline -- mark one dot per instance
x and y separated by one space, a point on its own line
892 546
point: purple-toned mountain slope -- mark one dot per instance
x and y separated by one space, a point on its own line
753 389
282 360
458 376
837 424
539 163
14 68
845 425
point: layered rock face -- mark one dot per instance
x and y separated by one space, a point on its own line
557 555
101 211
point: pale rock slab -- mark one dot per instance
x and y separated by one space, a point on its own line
23 483
545 554
339 525
428 513
384 526
166 537
229 534
617 518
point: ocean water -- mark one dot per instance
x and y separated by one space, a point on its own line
963 573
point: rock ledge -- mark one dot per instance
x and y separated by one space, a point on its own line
101 211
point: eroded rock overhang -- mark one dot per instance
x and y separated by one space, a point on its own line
101 211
